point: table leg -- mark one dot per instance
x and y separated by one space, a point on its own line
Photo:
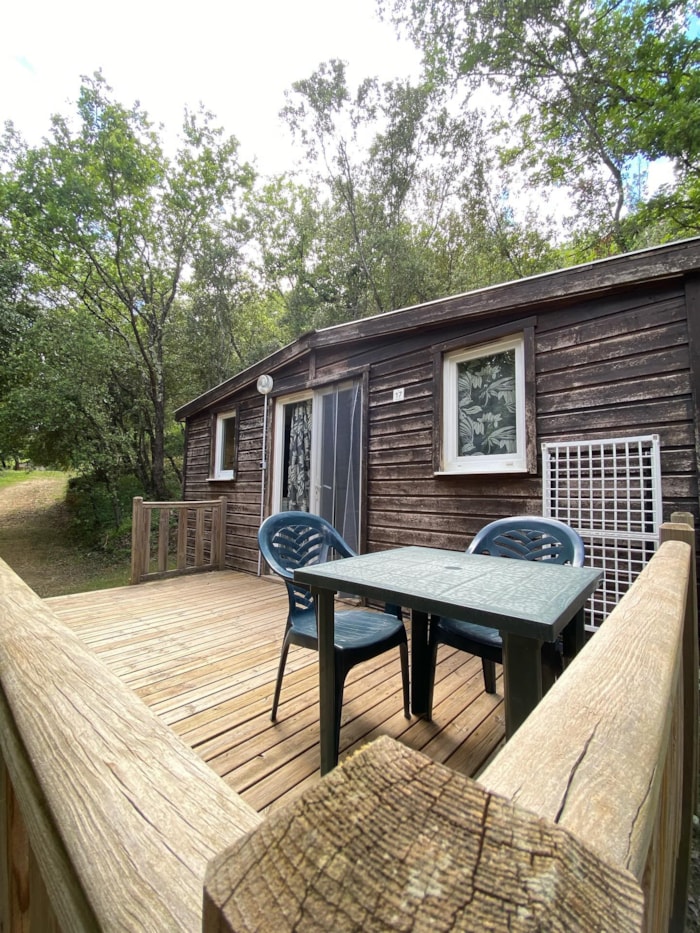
419 663
325 609
574 635
522 678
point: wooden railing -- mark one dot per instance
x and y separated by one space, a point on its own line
199 538
109 822
611 753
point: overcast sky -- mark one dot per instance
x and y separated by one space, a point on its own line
236 57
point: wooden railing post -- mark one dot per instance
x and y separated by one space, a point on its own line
682 529
163 539
136 539
222 532
181 540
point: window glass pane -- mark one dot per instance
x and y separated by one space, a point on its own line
228 444
486 405
296 477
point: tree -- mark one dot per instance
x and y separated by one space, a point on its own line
223 321
292 230
598 88
387 157
17 315
109 227
414 209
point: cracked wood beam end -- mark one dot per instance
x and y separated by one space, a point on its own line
393 841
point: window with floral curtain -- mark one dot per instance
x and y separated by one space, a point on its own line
486 410
483 414
299 458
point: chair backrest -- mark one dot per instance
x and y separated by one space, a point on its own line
289 540
530 537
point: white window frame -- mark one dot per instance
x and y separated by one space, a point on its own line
514 462
222 418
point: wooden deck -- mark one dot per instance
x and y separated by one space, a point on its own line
202 652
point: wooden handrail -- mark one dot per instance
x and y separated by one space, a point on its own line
192 555
603 754
121 817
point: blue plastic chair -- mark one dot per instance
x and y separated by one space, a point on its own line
521 537
289 540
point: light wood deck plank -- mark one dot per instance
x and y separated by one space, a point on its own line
202 651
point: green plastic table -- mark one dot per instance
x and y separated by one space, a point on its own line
530 602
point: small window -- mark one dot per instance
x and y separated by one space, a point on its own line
483 409
225 446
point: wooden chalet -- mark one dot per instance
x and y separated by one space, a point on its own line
602 352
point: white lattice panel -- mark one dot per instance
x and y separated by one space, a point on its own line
610 492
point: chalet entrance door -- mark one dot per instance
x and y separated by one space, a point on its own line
318 456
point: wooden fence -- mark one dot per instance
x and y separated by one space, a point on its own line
108 822
200 538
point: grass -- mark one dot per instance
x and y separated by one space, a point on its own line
12 477
35 539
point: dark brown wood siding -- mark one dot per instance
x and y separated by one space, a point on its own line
244 492
604 368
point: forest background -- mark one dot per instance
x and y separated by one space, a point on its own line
133 276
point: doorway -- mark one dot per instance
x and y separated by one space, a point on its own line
318 456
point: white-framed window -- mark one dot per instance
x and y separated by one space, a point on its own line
484 408
225 446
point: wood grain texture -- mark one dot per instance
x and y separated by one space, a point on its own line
121 815
392 841
682 527
591 756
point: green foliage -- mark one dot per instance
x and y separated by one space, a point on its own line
131 282
107 226
100 512
411 211
594 85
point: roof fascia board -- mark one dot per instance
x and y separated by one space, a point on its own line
652 264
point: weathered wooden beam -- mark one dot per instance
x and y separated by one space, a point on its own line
393 841
122 817
682 528
597 756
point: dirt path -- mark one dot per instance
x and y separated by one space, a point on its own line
34 540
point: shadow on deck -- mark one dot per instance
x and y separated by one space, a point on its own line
202 651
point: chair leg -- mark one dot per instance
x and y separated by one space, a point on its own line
403 648
489 669
280 675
